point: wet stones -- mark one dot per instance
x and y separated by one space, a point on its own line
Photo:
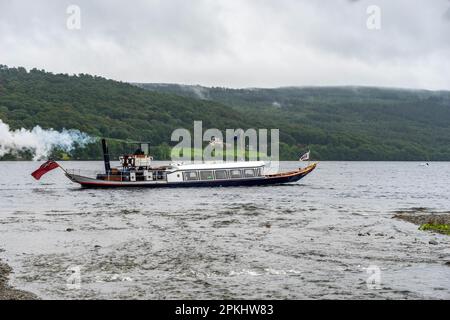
438 222
9 293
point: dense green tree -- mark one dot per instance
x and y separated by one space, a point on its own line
336 123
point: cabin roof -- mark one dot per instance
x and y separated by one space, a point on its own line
217 165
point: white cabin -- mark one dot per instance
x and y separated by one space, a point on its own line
179 172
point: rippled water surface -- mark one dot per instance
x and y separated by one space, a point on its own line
319 238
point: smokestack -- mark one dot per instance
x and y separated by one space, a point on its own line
106 157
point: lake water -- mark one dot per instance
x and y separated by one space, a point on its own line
326 236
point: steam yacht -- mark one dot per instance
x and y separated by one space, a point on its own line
136 170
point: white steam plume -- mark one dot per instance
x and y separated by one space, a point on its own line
39 141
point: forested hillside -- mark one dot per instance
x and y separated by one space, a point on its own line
342 123
104 108
335 123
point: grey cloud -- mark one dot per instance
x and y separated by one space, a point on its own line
447 14
234 42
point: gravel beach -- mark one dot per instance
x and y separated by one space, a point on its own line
8 293
423 217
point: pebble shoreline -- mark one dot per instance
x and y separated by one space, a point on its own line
9 293
420 216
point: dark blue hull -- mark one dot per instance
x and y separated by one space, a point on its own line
282 178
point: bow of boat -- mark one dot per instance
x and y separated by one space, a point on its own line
291 176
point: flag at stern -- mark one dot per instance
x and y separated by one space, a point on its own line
44 168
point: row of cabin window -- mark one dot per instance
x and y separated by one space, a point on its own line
220 174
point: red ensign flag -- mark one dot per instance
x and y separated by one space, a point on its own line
46 167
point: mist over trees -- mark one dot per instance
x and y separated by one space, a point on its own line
336 123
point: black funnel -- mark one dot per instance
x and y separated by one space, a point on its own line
106 157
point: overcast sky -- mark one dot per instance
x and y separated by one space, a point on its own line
234 43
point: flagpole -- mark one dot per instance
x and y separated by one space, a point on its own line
59 166
305 157
65 171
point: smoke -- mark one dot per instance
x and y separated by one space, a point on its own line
40 141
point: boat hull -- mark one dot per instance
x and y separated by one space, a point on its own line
287 177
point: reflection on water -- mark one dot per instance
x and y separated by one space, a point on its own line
312 239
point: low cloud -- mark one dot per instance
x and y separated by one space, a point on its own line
236 43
